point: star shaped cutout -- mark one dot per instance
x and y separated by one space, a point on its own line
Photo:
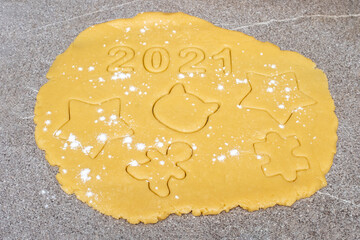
91 126
280 158
158 171
278 95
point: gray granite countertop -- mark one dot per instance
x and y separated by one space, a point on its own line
33 33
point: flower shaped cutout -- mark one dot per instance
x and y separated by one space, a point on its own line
280 157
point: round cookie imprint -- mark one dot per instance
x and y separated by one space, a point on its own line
167 113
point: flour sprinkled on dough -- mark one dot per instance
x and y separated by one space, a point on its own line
221 158
120 75
102 137
234 152
84 175
134 163
140 146
127 140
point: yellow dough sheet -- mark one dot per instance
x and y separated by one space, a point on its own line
167 113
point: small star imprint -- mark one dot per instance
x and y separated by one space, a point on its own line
158 171
91 126
280 159
278 95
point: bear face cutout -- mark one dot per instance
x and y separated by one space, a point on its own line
182 111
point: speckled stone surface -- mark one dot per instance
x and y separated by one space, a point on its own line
33 33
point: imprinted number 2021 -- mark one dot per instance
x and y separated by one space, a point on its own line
157 59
